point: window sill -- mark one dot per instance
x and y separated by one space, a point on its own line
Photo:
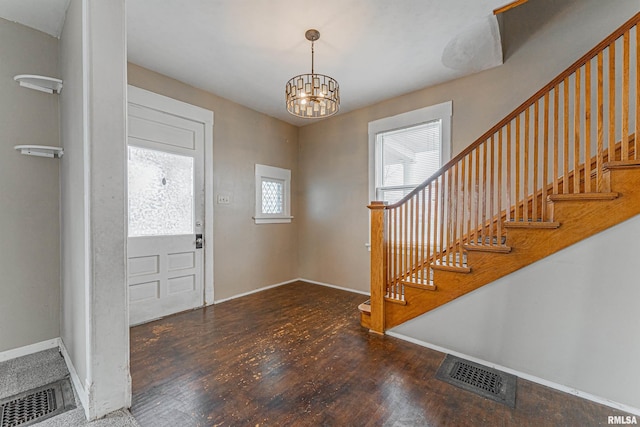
273 220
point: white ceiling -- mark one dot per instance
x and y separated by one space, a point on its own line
246 50
44 15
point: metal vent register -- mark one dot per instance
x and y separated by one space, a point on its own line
37 405
484 381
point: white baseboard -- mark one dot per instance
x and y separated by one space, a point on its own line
29 349
255 291
75 379
333 286
299 279
528 377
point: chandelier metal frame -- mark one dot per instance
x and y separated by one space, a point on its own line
312 96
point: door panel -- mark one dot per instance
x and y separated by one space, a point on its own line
165 133
166 210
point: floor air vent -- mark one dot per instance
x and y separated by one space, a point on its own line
484 381
36 405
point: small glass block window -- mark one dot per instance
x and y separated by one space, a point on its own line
272 196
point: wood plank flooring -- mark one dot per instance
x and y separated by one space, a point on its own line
296 356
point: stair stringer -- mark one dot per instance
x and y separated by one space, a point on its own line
578 220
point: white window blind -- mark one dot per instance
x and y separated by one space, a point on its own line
407 157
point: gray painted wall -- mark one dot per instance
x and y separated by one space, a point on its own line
246 256
29 190
74 213
571 318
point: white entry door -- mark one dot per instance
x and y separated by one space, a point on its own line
166 204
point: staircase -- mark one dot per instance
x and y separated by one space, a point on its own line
561 167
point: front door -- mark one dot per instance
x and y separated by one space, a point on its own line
165 213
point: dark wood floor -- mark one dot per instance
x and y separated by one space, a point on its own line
297 356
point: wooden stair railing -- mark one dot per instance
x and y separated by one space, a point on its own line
508 6
554 144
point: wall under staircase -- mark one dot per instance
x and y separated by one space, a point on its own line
571 318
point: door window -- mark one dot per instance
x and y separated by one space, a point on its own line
160 193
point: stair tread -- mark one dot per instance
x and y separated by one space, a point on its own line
395 300
452 268
502 249
429 286
621 164
532 224
446 260
582 196
365 307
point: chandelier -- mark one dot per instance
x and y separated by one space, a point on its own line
312 95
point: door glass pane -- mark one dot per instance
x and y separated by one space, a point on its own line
160 193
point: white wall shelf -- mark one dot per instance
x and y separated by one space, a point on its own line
40 150
41 83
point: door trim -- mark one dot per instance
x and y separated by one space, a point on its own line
147 99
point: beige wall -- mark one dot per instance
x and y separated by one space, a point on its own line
29 189
542 38
246 256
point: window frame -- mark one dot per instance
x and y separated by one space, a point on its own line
272 173
442 112
379 188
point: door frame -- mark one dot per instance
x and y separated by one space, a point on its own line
147 99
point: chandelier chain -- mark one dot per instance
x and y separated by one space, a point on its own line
312 56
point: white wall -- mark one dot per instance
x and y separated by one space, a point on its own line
110 387
29 189
571 318
95 320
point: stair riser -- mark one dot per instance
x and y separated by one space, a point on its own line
365 320
417 300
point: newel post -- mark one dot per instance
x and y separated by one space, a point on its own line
378 266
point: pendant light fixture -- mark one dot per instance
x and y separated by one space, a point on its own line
312 96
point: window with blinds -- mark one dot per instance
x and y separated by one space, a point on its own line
405 158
